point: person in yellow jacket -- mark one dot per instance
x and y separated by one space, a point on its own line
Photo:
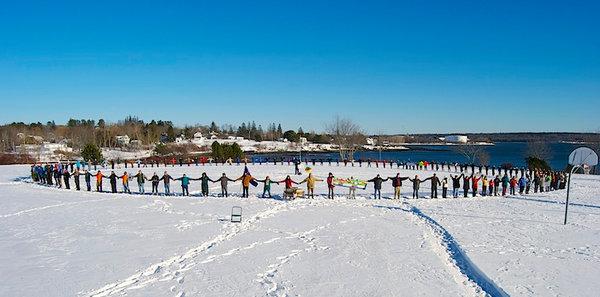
246 179
310 185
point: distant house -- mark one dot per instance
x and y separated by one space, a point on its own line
30 139
303 140
123 139
135 143
198 136
371 141
180 139
45 152
164 138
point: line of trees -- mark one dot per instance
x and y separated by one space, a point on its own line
79 132
225 151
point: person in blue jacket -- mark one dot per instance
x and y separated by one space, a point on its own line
522 184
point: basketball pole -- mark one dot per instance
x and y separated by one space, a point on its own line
568 191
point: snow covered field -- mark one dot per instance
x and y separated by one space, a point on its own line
56 242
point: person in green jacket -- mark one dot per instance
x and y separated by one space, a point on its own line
185 183
267 188
505 182
204 183
141 179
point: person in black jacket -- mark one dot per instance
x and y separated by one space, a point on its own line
166 179
88 180
456 184
76 179
113 181
377 182
66 176
397 184
466 184
155 180
435 182
416 185
49 174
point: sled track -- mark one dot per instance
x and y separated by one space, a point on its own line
456 255
158 271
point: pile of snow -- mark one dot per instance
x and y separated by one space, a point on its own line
56 242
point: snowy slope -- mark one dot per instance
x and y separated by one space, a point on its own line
56 242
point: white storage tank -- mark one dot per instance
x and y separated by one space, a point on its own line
456 138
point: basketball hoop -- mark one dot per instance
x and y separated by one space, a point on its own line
585 158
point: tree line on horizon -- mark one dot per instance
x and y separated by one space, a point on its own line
78 133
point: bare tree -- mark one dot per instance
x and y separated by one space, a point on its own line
539 149
347 135
471 152
483 157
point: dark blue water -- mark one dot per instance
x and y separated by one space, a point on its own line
503 152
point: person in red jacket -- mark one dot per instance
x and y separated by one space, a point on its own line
288 182
475 184
513 185
330 185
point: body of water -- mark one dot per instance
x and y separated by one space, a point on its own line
501 153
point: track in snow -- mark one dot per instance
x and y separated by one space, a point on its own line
455 255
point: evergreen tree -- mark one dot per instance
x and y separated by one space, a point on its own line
91 153
279 131
217 151
214 127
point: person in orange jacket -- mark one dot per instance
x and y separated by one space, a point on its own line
246 179
99 176
125 179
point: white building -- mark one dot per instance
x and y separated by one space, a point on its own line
122 139
180 139
45 152
456 139
198 136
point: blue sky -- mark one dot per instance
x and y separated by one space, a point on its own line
392 66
